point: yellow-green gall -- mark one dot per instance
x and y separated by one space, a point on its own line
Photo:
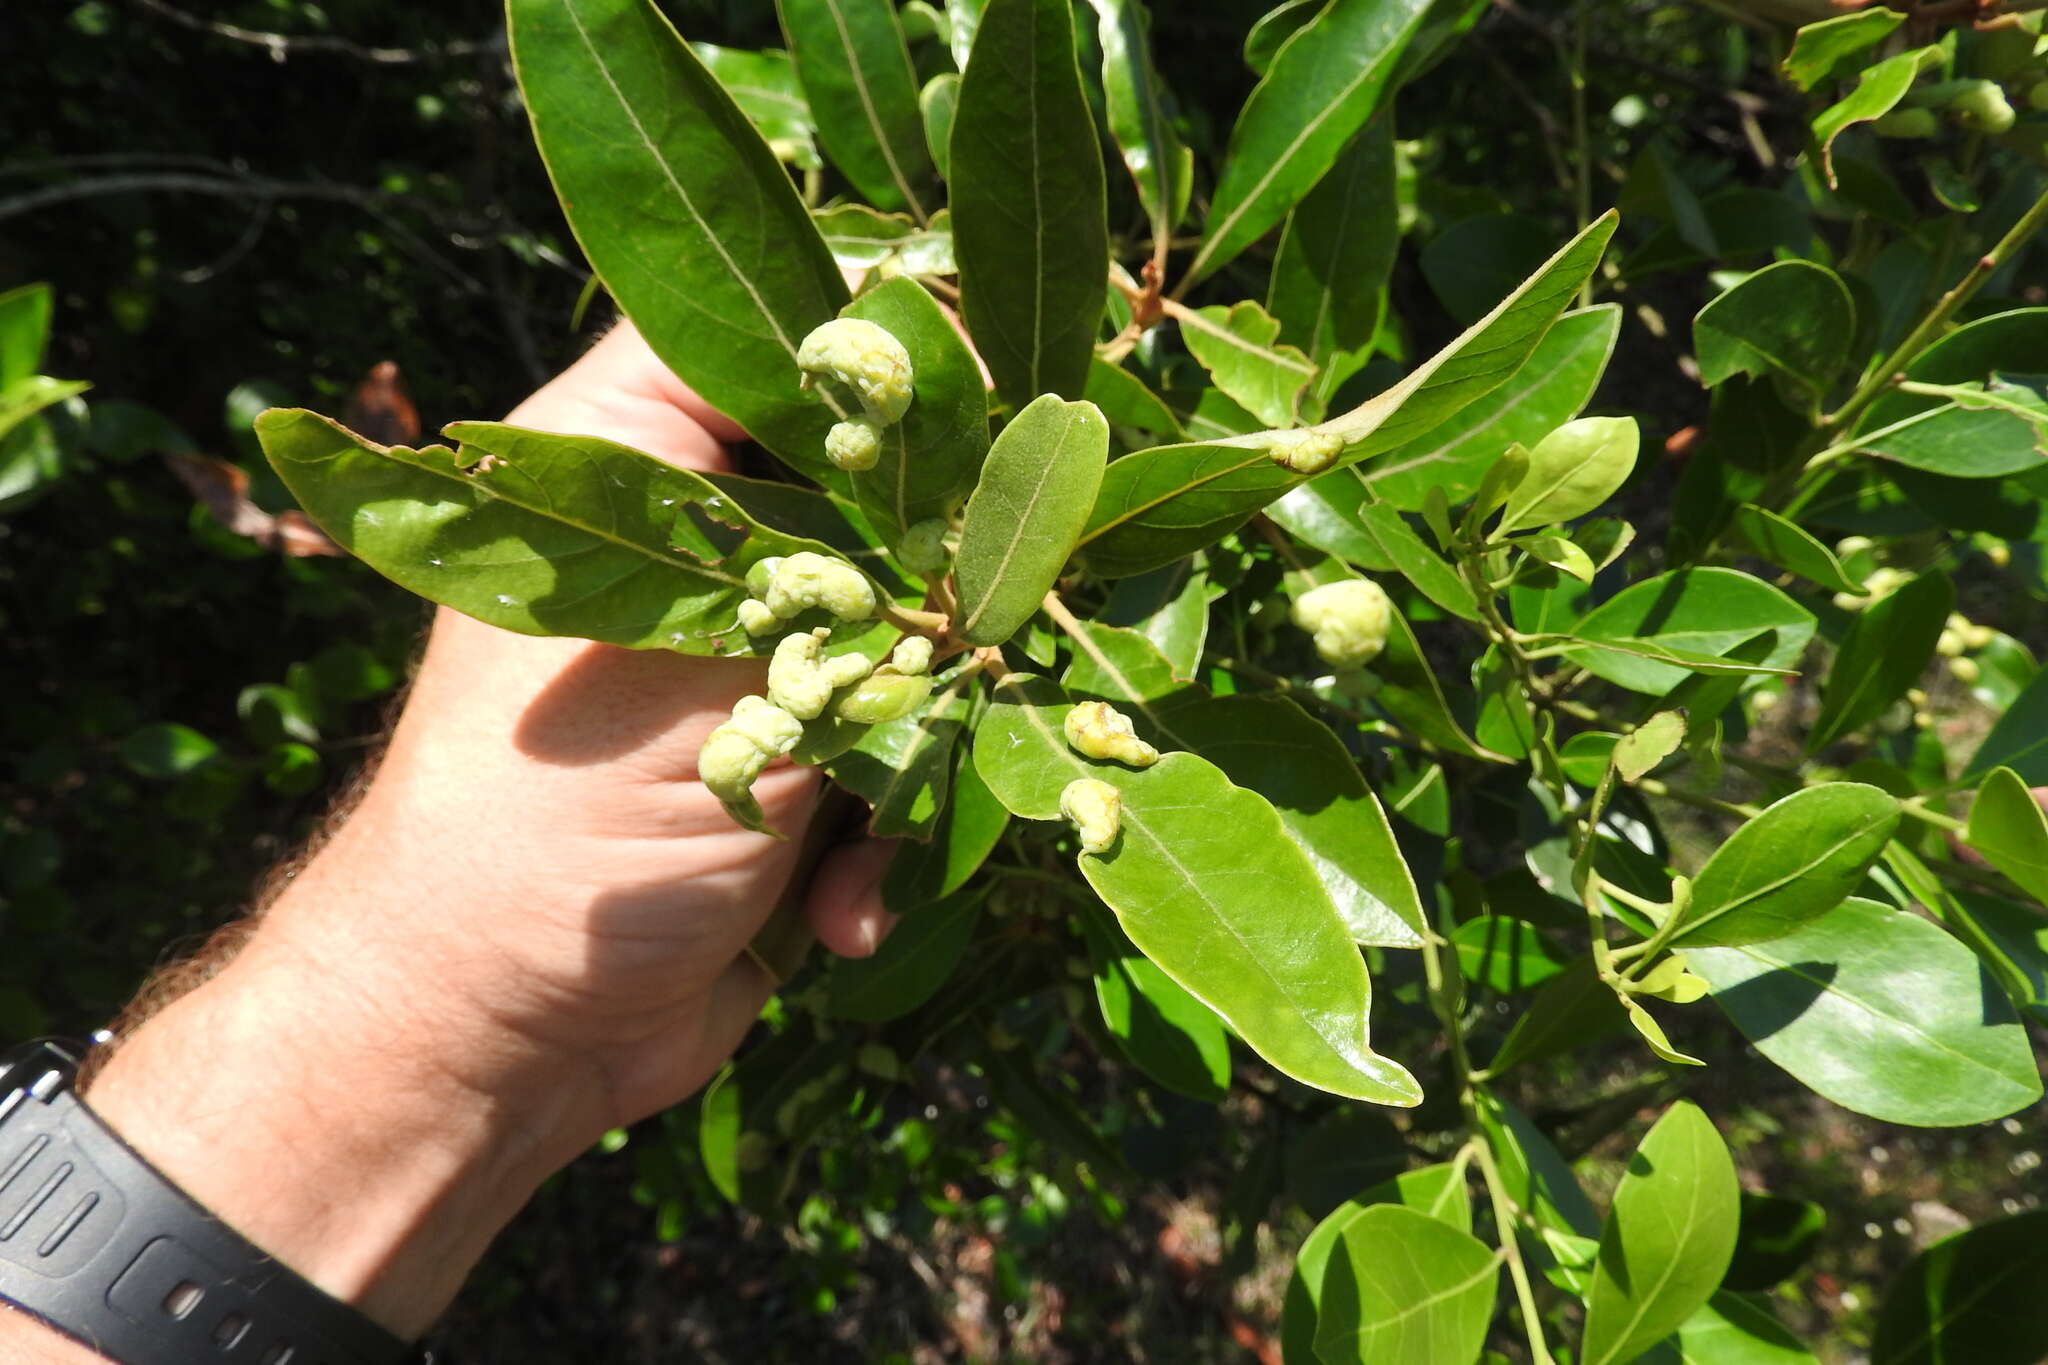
1966 671
805 580
923 548
1099 730
1950 644
866 359
912 655
1349 620
762 574
1304 452
854 446
1982 107
756 619
801 683
883 696
734 754
1096 810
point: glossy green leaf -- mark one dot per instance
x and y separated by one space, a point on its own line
1322 86
964 17
1137 106
931 458
1166 1033
1975 1297
1126 669
1789 546
903 768
1886 650
917 958
2014 342
1732 1330
1799 859
765 87
962 838
1330 273
1794 319
1404 1288
1126 402
1239 348
860 238
2008 826
167 751
1169 607
1505 955
1668 1237
1039 481
2019 739
1030 223
1209 885
1271 746
939 104
1271 30
1699 612
1649 744
1878 91
1881 1012
1157 505
1411 693
25 398
1817 49
857 76
1538 1178
1983 431
1437 1191
31 460
1549 389
535 532
682 210
1572 471
718 1135
24 332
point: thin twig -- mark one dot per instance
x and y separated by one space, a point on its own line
282 46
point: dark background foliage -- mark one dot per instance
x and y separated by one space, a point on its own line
229 220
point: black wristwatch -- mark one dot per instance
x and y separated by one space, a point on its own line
101 1246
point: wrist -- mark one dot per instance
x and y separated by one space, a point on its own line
372 1140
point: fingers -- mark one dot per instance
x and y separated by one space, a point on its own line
619 391
845 903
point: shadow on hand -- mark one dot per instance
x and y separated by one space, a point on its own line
610 702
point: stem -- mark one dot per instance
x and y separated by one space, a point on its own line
1658 787
912 620
1917 340
1511 1247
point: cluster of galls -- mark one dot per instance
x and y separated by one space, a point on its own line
866 361
1099 731
804 684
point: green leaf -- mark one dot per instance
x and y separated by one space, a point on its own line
31 460
1787 545
962 838
915 960
1470 263
764 86
1817 49
1702 613
1669 1236
1881 1012
1550 388
1126 402
1322 86
1330 273
718 1135
2019 740
856 73
1403 1288
1236 346
1505 955
862 239
1210 886
1157 505
1271 30
1793 319
2014 342
1160 165
683 211
167 751
1649 744
1411 693
1437 1191
24 332
1886 650
964 17
1030 223
1169 607
1878 91
1974 1297
932 457
1573 1008
1572 471
1731 1330
1026 513
25 398
534 532
1271 746
1983 431
2008 826
1166 1033
939 104
1799 859
1122 667
1538 1178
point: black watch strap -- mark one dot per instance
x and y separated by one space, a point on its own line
101 1246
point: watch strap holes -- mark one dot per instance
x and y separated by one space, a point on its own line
183 1298
229 1331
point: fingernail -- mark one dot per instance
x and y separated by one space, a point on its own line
874 927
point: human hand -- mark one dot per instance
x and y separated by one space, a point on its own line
530 930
